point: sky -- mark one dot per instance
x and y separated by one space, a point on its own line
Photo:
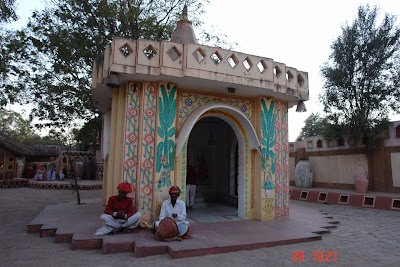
296 33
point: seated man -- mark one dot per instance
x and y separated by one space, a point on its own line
118 215
175 209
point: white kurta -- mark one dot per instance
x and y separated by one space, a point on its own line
109 223
190 194
167 210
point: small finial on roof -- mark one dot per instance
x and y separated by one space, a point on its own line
183 32
184 15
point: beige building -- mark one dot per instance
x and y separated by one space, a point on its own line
166 103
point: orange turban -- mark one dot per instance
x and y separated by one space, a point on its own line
125 188
174 190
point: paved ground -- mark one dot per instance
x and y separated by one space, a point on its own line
365 237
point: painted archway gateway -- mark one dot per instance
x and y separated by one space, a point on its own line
152 122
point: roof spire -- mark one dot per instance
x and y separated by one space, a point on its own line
183 32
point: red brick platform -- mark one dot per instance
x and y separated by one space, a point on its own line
77 224
377 200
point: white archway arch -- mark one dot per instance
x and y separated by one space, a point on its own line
191 120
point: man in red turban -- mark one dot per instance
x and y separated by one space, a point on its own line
175 209
118 215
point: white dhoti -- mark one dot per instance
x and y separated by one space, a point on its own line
190 194
109 223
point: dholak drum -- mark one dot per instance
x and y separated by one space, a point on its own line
183 229
167 228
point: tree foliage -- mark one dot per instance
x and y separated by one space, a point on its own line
14 125
7 11
52 57
362 76
313 126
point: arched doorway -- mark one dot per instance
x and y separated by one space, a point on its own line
213 152
247 143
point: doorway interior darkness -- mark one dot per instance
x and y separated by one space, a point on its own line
213 143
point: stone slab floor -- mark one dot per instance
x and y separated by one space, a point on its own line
365 237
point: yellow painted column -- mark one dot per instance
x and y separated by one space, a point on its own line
104 195
117 173
111 155
257 161
180 170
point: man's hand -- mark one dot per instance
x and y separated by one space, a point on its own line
121 214
174 215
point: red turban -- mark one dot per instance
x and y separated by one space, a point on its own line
174 190
52 158
125 188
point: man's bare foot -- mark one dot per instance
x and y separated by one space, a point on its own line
116 230
126 230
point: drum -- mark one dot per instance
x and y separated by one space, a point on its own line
167 228
183 229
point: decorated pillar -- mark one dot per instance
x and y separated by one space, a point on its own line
145 181
131 140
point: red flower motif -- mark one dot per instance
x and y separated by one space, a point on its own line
283 106
277 211
149 112
277 125
130 163
284 126
277 168
284 147
147 164
285 188
285 210
151 88
132 137
284 167
133 112
277 146
146 190
277 189
148 138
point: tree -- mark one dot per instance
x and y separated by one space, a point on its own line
14 125
52 57
362 76
313 126
7 8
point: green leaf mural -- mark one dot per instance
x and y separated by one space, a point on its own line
267 141
166 149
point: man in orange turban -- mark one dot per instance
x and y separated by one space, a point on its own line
118 215
175 209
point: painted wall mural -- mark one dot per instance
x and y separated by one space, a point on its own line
274 142
166 126
130 170
189 101
148 126
285 160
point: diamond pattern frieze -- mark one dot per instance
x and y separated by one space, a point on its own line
199 55
216 58
233 61
174 53
126 50
150 52
262 66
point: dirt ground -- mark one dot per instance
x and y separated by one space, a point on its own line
365 237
